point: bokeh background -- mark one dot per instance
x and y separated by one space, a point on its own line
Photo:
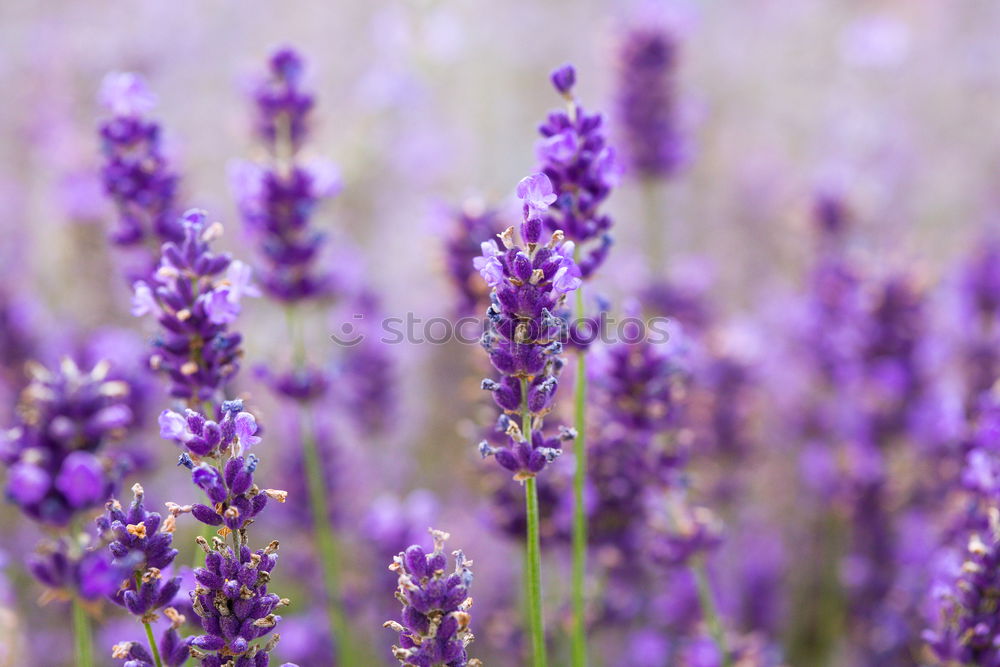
425 106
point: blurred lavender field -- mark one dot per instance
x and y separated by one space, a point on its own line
805 471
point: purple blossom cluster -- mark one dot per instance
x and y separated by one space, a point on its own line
525 337
56 455
136 174
194 295
231 597
582 169
434 623
278 199
647 100
141 544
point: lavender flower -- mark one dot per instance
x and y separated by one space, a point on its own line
234 604
136 537
529 284
231 597
647 101
282 106
141 543
136 175
67 569
434 624
277 200
581 170
968 629
54 455
194 295
235 500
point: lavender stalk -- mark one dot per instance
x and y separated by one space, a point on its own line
524 338
575 156
706 600
83 645
231 597
277 200
59 469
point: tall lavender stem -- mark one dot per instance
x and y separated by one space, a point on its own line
583 169
277 200
154 649
706 599
524 339
84 649
326 543
579 638
536 619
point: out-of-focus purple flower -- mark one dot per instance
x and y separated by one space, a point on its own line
304 385
472 224
63 566
194 295
582 171
126 94
58 466
680 533
278 200
647 101
81 479
434 624
364 378
968 629
136 175
282 105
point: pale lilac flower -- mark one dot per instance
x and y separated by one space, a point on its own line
143 301
488 264
537 194
172 426
126 94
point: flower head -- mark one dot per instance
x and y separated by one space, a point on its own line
195 294
434 624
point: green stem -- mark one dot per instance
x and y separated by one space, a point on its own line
154 649
329 556
579 636
536 620
657 227
81 635
534 575
708 610
152 644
